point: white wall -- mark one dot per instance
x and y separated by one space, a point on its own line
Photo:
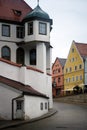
6 96
41 56
36 36
32 106
9 71
12 37
39 81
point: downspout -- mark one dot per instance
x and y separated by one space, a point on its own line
13 105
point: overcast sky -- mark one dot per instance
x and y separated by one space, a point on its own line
69 23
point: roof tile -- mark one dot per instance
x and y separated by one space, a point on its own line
6 10
82 48
26 89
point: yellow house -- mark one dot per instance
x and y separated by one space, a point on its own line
74 67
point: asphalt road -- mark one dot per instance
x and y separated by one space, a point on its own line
68 117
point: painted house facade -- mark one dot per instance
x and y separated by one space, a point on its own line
58 77
25 61
75 70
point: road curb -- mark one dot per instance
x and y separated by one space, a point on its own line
18 123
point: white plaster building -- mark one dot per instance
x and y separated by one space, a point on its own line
25 61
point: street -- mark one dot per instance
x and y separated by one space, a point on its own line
68 117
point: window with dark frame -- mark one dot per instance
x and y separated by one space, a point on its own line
41 106
30 28
20 32
58 79
75 67
5 30
33 57
20 54
72 49
42 28
46 105
80 66
5 52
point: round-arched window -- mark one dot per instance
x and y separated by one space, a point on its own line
6 53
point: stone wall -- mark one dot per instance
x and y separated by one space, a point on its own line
81 98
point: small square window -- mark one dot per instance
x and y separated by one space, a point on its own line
6 30
42 28
72 49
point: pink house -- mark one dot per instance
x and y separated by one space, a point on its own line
58 76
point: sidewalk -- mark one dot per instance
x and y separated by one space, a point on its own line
6 123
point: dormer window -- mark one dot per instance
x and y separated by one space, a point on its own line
42 28
17 12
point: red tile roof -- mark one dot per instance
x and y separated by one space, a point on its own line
82 48
10 62
26 89
7 8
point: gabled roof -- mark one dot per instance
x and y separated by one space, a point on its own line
82 48
13 10
61 60
26 89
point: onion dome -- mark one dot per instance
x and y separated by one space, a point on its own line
38 14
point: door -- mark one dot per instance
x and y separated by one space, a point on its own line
19 109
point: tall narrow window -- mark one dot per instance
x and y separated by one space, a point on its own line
80 66
33 57
41 106
20 56
30 28
42 28
5 30
20 32
58 79
6 53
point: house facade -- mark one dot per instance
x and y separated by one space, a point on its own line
25 60
58 77
75 70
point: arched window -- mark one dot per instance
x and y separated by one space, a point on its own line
20 56
6 53
33 57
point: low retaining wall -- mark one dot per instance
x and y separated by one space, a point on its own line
82 98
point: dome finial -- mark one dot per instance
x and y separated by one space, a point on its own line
37 2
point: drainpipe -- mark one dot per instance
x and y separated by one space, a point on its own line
13 104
